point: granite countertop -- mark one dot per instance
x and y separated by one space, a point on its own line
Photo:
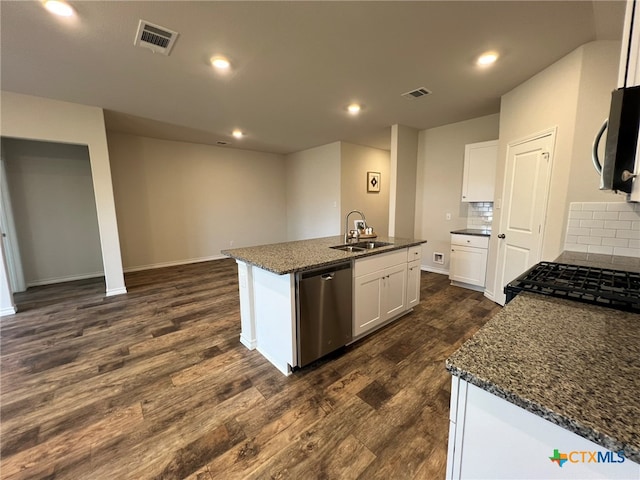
473 231
598 260
575 365
290 257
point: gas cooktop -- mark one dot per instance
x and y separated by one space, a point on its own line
598 286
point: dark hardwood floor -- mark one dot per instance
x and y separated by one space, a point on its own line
155 384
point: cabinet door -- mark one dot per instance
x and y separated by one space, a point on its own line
394 291
468 265
478 178
367 307
413 284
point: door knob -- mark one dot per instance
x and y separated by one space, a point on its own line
502 235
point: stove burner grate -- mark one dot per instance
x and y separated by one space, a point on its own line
600 286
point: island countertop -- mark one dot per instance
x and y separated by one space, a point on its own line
576 365
301 255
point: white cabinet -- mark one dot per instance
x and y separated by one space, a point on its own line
478 179
380 290
492 438
413 276
468 263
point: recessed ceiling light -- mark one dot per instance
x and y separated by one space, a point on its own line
237 133
59 8
487 58
354 109
221 63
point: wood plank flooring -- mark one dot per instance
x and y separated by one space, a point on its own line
155 384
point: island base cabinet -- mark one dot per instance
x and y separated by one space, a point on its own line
490 438
380 290
268 316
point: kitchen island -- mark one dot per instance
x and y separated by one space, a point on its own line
267 287
548 388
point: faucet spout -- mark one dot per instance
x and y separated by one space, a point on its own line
346 225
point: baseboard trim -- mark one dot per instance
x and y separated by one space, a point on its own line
173 264
116 291
468 286
250 344
8 311
427 268
69 278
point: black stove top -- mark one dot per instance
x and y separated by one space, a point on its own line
598 286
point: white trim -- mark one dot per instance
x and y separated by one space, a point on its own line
174 263
8 311
441 271
468 286
69 278
12 247
489 295
116 291
250 344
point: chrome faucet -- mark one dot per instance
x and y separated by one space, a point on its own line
347 236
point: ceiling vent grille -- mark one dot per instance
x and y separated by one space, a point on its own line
417 93
154 37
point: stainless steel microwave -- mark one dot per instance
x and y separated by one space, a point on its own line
621 147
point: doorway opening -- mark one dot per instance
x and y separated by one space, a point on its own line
49 217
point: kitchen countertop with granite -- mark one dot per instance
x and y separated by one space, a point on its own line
480 232
301 255
576 365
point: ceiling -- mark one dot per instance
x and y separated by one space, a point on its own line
295 65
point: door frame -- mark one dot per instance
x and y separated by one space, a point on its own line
8 231
553 133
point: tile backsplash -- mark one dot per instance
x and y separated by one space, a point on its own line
611 228
480 215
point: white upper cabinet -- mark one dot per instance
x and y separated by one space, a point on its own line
478 180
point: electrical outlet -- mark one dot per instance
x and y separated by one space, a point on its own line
231 243
448 216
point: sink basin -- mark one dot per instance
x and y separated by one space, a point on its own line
361 246
348 248
368 245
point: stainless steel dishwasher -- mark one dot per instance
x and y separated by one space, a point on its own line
323 311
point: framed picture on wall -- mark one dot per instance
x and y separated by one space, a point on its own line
373 181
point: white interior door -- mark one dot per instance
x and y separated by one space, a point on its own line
524 208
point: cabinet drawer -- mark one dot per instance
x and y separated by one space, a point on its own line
378 262
470 240
414 253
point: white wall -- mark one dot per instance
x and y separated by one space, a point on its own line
439 183
598 78
182 202
559 96
313 192
402 194
36 118
54 210
356 161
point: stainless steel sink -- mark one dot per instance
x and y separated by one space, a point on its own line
361 246
348 248
370 244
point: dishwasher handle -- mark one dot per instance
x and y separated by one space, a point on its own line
327 276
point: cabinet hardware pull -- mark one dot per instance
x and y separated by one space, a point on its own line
502 235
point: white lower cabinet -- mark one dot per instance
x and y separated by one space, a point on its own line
469 259
490 438
380 290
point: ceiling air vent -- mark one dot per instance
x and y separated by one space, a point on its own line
154 37
417 93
